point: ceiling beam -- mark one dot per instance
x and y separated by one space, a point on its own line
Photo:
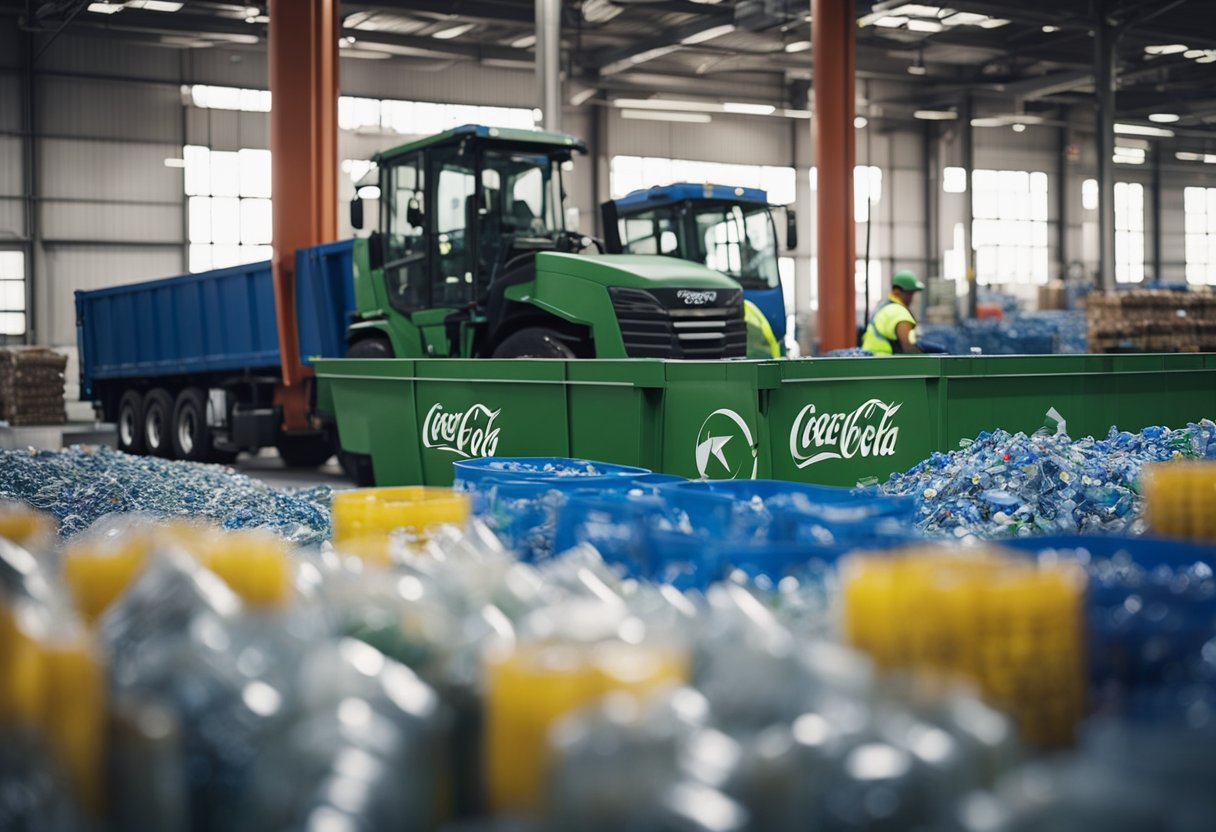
612 61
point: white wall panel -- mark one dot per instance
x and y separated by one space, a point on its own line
756 140
109 109
109 222
12 219
92 267
12 165
80 169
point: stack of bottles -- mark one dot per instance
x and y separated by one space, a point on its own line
1012 625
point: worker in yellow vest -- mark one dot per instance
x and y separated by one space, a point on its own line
761 343
892 328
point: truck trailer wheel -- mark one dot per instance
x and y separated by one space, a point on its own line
131 422
158 420
536 342
190 435
358 467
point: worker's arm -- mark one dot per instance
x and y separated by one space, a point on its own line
905 331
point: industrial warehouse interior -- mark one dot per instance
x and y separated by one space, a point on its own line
607 415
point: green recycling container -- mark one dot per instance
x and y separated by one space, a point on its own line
828 421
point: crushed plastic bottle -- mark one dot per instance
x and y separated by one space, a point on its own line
1010 485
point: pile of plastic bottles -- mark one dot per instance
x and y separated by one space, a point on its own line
1031 333
1009 485
81 484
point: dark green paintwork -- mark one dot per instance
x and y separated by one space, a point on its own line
654 413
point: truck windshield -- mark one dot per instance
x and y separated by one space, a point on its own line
739 241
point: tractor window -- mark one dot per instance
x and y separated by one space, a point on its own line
405 236
651 232
455 208
739 241
522 200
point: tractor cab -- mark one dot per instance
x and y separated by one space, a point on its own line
471 257
729 229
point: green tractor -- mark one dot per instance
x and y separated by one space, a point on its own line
471 258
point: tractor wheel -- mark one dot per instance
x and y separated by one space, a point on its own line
158 421
131 422
536 342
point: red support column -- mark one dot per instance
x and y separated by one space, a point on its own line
834 52
303 56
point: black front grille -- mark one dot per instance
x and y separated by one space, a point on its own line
681 323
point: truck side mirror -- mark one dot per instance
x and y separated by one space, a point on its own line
356 212
791 228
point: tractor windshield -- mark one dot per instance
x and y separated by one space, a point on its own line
739 241
523 192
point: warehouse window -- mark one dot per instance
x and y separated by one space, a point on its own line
12 293
632 173
867 189
1009 233
1200 205
1129 226
1129 232
228 207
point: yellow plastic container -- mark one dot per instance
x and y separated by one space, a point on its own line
256 565
22 673
98 570
1013 626
74 716
1179 499
25 526
364 520
530 688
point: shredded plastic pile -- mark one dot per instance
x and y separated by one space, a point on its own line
80 484
1003 485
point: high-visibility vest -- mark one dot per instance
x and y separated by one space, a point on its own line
880 337
761 343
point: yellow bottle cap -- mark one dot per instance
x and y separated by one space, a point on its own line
376 512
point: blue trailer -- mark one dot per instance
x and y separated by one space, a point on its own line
188 367
731 230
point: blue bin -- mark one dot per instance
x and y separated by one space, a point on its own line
617 525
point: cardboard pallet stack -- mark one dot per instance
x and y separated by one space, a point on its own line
1152 320
31 387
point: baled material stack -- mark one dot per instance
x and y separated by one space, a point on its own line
1152 320
31 387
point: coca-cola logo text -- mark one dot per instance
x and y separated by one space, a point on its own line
469 433
867 431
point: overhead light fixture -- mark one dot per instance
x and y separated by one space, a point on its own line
1142 130
915 10
1019 127
918 66
748 109
994 23
525 42
154 5
1128 155
453 32
661 115
1164 118
175 163
1183 156
1193 53
1209 57
252 11
860 122
1050 30
935 115
104 8
891 22
805 114
600 11
915 25
1166 49
659 104
798 46
964 19
708 34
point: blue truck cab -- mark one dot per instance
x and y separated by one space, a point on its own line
731 230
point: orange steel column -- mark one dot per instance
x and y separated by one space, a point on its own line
834 52
303 53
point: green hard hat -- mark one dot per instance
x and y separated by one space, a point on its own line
907 281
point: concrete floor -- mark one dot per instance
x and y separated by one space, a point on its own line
268 468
